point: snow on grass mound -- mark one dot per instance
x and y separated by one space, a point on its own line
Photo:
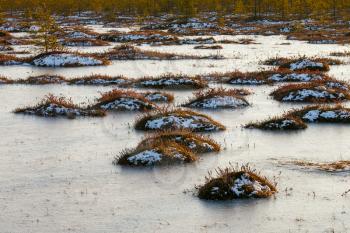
295 77
124 100
43 80
66 59
160 153
249 78
4 80
194 142
267 77
127 52
83 42
279 123
171 81
303 63
99 80
158 96
177 119
53 106
138 37
208 47
236 183
218 98
311 92
319 113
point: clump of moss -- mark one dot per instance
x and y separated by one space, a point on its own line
279 123
124 100
236 183
219 98
171 81
156 154
319 92
195 142
43 80
165 119
99 80
52 106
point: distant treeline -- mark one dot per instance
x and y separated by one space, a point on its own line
253 8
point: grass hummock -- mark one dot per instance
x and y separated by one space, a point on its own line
124 100
158 96
52 106
83 42
236 183
195 142
322 113
171 81
43 80
216 98
279 123
173 119
139 37
4 80
303 63
338 166
315 92
208 47
67 59
156 154
98 80
128 52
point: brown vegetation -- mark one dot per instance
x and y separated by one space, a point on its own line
234 182
167 119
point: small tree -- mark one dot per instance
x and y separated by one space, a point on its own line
47 31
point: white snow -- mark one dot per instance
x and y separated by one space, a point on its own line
125 103
148 158
295 77
66 59
190 122
305 64
312 116
247 82
303 94
243 181
220 102
281 125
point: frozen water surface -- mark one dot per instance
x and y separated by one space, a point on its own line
56 175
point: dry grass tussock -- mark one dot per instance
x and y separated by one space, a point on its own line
157 153
236 182
195 142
